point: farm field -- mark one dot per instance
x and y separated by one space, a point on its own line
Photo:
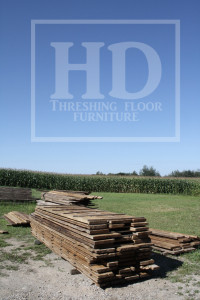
102 183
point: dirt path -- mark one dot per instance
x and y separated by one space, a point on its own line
50 279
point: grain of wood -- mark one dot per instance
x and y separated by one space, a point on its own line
173 242
16 218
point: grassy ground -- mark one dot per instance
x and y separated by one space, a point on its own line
36 194
17 232
169 212
18 246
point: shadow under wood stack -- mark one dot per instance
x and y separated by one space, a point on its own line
67 198
107 247
173 242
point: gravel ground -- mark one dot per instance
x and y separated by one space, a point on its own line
53 281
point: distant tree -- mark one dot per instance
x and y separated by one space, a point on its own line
122 174
175 173
148 171
134 173
188 173
185 173
99 173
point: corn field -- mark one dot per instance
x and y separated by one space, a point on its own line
43 180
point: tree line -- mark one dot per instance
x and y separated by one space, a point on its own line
151 171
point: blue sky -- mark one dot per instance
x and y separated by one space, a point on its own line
17 150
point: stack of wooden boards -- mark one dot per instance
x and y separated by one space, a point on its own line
16 194
173 242
107 247
67 198
16 218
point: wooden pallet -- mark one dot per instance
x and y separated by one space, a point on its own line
173 242
107 247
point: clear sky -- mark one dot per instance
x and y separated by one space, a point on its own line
17 150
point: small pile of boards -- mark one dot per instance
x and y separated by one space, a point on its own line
16 218
173 242
16 194
107 247
67 198
3 231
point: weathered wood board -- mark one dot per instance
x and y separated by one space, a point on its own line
109 248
